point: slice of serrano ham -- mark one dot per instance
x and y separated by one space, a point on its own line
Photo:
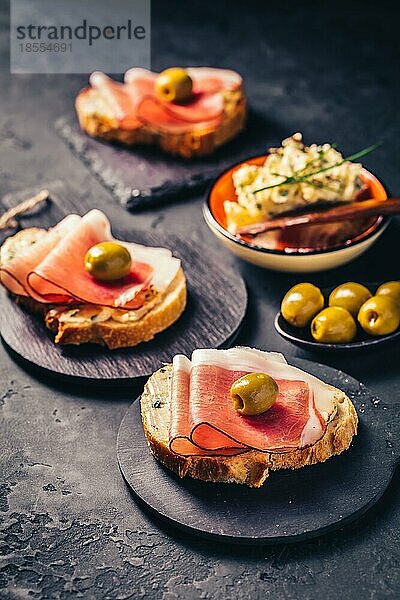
135 103
120 99
209 79
157 115
53 271
204 422
181 417
141 80
14 274
202 108
63 271
206 104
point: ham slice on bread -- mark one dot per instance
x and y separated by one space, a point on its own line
204 420
135 102
45 271
131 112
15 269
192 427
53 271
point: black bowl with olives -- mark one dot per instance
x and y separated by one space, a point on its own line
351 316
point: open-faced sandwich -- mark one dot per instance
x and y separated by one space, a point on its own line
235 415
189 112
91 287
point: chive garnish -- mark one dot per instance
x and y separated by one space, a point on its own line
296 178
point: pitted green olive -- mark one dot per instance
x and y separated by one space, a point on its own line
174 85
333 325
253 394
108 261
350 296
301 303
391 288
380 315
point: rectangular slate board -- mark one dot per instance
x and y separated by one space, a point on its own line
143 177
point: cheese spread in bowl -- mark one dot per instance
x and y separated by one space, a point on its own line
261 191
294 178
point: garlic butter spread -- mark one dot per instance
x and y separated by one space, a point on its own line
341 183
89 314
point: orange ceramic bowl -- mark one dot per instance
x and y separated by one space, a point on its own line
298 249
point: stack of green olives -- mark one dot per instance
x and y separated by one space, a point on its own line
348 303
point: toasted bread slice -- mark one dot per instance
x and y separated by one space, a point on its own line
251 468
114 328
125 332
97 119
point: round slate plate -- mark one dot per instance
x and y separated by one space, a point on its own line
292 505
302 337
217 301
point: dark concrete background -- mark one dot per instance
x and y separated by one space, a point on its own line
69 524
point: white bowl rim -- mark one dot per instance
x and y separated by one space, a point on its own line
382 223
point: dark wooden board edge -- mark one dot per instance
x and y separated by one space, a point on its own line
48 212
21 353
57 377
243 541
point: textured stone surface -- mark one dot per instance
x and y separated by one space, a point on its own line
69 526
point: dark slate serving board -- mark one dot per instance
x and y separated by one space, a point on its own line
63 200
211 293
292 505
144 177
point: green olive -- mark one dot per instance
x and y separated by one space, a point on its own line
253 394
333 325
350 296
301 303
108 261
174 85
391 288
380 315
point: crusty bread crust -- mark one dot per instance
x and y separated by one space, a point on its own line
251 468
96 118
110 333
119 335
